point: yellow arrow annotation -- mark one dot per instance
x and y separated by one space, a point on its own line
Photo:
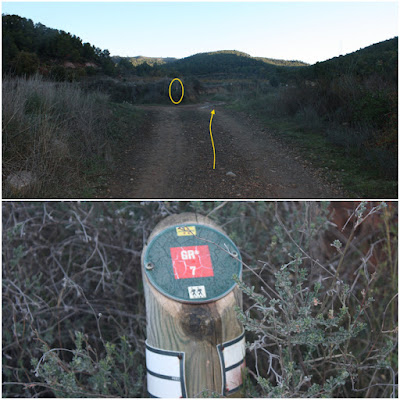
212 141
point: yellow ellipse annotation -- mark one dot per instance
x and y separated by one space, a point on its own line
183 91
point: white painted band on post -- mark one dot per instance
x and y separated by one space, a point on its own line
162 388
165 373
234 353
233 378
232 358
162 364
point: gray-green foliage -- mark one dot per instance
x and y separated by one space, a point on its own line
306 333
301 331
117 373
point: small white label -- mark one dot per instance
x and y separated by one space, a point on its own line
197 292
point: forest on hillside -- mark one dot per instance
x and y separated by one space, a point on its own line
31 47
28 48
40 44
379 59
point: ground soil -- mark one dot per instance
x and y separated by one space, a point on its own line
172 157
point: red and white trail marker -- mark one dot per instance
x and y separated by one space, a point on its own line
191 262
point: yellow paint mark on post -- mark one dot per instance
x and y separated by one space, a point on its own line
186 230
212 141
183 90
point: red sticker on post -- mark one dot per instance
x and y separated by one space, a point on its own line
191 262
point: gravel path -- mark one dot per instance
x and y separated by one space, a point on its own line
173 158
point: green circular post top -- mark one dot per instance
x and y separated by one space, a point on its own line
192 263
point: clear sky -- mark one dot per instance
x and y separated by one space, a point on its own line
306 31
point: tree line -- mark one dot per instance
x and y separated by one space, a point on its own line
27 45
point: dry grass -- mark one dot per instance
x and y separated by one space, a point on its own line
54 130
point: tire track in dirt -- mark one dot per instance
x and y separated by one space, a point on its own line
173 158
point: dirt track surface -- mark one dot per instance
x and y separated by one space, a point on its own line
172 158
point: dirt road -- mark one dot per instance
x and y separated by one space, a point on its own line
173 158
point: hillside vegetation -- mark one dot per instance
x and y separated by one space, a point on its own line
62 137
135 61
347 103
341 114
58 132
29 48
228 62
379 60
225 63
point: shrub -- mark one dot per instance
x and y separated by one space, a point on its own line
314 337
26 63
87 375
57 278
358 116
372 108
54 130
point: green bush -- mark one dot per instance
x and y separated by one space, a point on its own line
26 63
313 337
372 108
87 375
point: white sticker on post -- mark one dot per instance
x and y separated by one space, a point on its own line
232 357
165 373
197 292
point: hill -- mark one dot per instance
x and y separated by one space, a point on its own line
378 59
228 62
29 47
